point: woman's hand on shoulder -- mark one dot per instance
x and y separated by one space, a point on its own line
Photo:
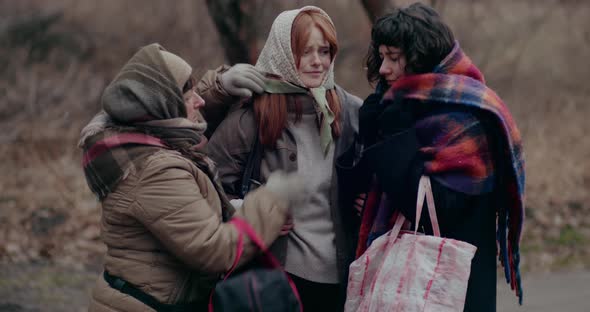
242 80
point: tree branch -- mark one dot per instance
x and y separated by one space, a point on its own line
234 20
377 8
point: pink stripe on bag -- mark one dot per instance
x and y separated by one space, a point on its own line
440 249
409 272
365 275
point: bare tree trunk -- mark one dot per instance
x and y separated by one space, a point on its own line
377 8
234 20
438 5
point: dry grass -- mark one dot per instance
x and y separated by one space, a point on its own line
533 53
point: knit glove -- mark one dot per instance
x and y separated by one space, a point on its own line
288 186
242 80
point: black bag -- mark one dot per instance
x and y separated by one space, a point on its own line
252 170
257 289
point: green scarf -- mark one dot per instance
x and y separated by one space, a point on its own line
274 86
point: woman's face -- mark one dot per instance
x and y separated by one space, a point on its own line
193 103
393 63
315 61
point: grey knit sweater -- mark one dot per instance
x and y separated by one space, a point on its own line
311 250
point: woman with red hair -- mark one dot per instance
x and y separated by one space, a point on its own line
301 121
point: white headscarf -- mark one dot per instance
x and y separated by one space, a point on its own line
277 57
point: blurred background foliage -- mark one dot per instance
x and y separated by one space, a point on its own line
57 56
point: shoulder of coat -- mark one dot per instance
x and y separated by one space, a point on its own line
347 99
239 123
166 158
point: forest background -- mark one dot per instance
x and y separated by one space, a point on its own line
57 56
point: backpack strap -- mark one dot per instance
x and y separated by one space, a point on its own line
252 171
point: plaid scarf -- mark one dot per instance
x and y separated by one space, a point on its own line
143 111
458 155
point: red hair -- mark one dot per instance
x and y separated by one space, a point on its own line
301 30
271 109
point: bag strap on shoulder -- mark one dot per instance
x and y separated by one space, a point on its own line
252 170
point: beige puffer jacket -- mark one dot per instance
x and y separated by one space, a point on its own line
163 229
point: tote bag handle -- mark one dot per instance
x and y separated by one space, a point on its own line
424 191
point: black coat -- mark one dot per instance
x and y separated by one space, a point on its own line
394 158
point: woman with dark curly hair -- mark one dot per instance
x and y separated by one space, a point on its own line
432 114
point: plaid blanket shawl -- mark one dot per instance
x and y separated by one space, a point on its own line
459 158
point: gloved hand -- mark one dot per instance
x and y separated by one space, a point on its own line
242 80
288 186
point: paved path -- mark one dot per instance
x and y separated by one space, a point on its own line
42 287
551 292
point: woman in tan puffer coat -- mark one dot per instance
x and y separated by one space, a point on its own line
163 210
